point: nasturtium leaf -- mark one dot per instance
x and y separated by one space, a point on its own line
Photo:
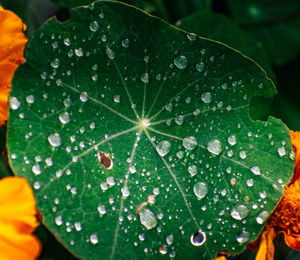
273 22
136 138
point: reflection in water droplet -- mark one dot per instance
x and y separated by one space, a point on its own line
214 147
243 237
189 143
200 189
163 148
262 217
206 97
147 218
198 238
54 140
256 170
181 62
14 103
239 212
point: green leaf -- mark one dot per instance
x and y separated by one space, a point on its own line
220 28
275 23
136 138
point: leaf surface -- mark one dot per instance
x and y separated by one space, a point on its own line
136 138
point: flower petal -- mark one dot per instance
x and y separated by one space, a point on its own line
266 247
293 241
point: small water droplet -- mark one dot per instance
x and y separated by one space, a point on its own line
117 98
59 220
198 238
125 191
243 237
94 239
200 67
170 239
79 52
101 209
36 169
30 99
206 97
55 63
232 140
256 170
84 97
163 249
200 189
145 78
239 212
77 226
126 43
109 52
193 170
14 103
190 143
64 118
181 62
250 182
262 217
281 151
54 140
147 218
243 155
163 148
94 26
214 147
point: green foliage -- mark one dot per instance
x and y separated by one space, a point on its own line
170 109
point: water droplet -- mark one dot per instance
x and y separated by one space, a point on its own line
256 170
193 170
55 63
30 99
181 62
147 218
36 185
59 220
14 103
200 189
281 151
250 182
36 169
132 169
110 181
77 226
262 217
190 143
163 249
94 26
200 67
125 191
198 238
206 97
117 98
214 147
239 212
170 239
64 118
179 120
79 52
94 239
84 97
163 148
54 140
101 209
145 78
109 52
67 102
243 155
232 140
243 237
126 43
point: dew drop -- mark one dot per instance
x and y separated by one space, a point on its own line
117 98
110 181
145 78
198 238
125 191
243 155
30 99
181 62
163 249
64 118
14 103
94 239
94 26
256 170
214 147
262 217
54 140
281 151
243 237
232 140
36 169
200 189
58 220
126 43
79 52
206 97
101 209
200 67
239 212
170 239
193 170
190 143
163 148
109 52
147 218
77 226
55 63
84 97
36 185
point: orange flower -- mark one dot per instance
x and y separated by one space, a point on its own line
17 220
12 43
286 217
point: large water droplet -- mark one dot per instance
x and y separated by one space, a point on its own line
206 97
181 62
54 140
163 148
200 189
189 143
64 118
256 170
214 147
243 237
147 218
198 238
94 26
262 217
14 103
239 212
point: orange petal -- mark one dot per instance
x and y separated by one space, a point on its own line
15 245
266 247
12 43
293 241
17 204
295 137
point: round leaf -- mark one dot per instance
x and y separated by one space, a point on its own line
136 138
